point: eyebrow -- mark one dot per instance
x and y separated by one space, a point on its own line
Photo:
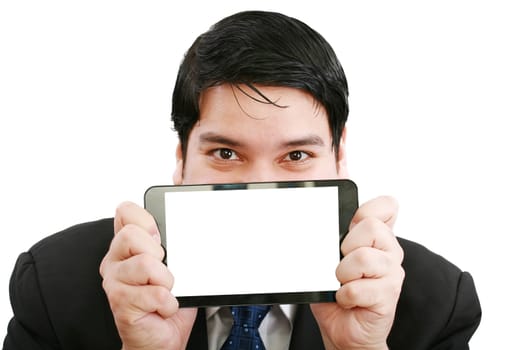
211 137
309 140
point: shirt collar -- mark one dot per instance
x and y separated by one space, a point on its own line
287 309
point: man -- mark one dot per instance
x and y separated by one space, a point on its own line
259 97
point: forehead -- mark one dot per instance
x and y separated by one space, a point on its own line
277 112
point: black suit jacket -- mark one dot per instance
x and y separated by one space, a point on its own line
58 300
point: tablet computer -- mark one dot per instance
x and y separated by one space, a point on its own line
253 243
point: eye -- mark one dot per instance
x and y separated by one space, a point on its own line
225 154
296 156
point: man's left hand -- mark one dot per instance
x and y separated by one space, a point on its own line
371 277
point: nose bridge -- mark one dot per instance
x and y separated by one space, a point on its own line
261 171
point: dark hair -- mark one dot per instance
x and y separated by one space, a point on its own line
266 48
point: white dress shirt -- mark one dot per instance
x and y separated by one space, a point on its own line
275 329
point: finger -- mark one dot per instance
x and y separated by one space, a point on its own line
372 232
361 293
381 294
384 208
130 303
133 240
144 269
130 213
364 262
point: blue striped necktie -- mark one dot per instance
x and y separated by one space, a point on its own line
244 334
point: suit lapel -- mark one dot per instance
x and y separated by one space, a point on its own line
199 333
305 334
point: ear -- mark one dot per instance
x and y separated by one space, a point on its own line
342 169
179 168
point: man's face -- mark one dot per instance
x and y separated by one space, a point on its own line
241 139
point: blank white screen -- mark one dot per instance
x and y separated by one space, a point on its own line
253 241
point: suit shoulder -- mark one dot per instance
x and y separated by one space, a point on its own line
419 259
431 281
438 302
86 238
63 272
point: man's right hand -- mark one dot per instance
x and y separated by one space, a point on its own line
138 284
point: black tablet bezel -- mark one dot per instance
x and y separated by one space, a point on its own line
154 203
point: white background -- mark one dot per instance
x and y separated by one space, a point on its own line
436 119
